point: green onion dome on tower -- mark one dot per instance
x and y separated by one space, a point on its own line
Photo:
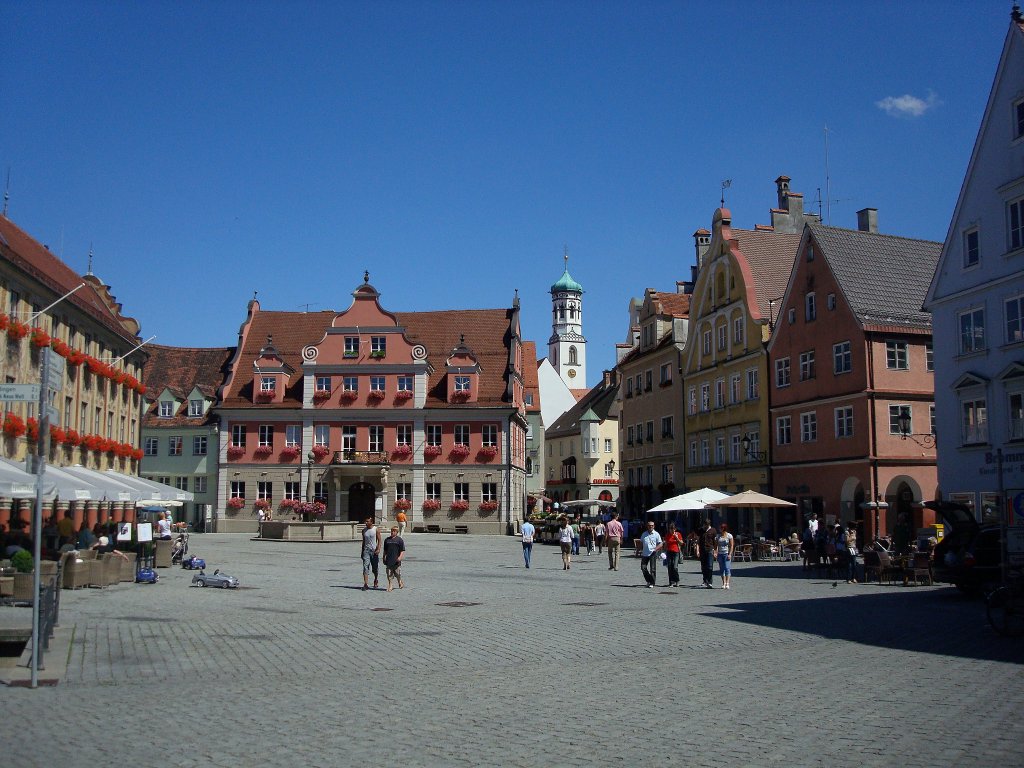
566 283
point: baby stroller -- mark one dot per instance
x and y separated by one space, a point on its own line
180 548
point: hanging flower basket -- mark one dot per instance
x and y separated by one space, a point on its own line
320 452
288 505
16 330
236 502
72 438
459 505
487 452
403 505
262 451
263 504
14 426
236 451
431 451
460 396
431 505
321 394
376 394
459 451
288 453
403 394
402 451
348 395
264 396
40 338
488 506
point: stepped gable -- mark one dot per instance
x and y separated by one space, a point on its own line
858 259
182 370
439 332
37 261
770 256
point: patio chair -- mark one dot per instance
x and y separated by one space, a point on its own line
744 552
919 566
76 573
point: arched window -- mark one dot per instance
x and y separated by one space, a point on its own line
573 360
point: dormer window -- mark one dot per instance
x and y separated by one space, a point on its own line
195 407
267 384
462 383
166 409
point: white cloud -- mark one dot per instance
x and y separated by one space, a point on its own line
907 105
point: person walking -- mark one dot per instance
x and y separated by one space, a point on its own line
650 549
674 544
706 552
588 538
565 542
614 529
725 544
850 552
372 542
394 551
402 519
576 535
528 532
599 532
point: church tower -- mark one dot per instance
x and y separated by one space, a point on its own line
567 349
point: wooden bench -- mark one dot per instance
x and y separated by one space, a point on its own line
462 529
447 530
433 529
418 529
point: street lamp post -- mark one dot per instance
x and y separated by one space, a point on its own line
310 460
758 456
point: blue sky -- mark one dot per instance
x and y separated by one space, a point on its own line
209 150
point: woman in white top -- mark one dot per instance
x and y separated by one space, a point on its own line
565 534
724 546
163 527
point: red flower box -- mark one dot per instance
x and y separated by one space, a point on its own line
375 394
236 503
403 505
348 395
321 452
13 425
459 505
460 396
75 357
431 451
262 451
236 451
72 438
321 394
459 451
265 397
488 506
16 330
431 505
487 452
403 394
288 453
402 451
40 338
261 504
288 504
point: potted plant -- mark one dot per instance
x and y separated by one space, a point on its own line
348 395
311 510
262 451
487 452
289 453
321 394
288 505
459 505
263 504
459 451
431 451
265 396
402 451
236 451
378 354
236 503
14 426
17 330
460 395
40 338
320 452
403 394
488 506
431 505
375 394
402 505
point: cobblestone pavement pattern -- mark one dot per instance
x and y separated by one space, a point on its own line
539 667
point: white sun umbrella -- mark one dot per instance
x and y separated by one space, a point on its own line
66 487
698 499
114 489
16 483
154 494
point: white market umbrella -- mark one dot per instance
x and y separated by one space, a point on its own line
698 499
751 499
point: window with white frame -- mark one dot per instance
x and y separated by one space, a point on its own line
348 437
691 399
755 445
200 484
630 435
238 435
462 434
489 491
783 430
720 449
376 433
693 453
752 385
195 408
650 431
266 434
403 434
896 356
629 386
174 445
291 490
150 446
489 434
378 345
782 372
737 330
323 383
808 427
434 435
972 248
807 365
322 434
895 412
791 315
461 492
462 383
706 341
433 491
972 330
607 445
810 307
1016 413
831 302
268 384
842 358
351 346
376 383
719 393
648 381
403 491
666 426
320 490
723 336
237 489
166 409
666 474
199 444
705 452
1015 219
351 383
292 435
1014 311
640 434
639 383
735 443
844 421
974 421
665 374
265 490
405 384
593 445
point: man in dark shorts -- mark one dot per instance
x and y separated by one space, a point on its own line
371 553
394 551
706 551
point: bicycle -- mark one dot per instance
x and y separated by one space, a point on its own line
1005 606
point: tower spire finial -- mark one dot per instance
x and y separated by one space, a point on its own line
7 190
88 270
565 256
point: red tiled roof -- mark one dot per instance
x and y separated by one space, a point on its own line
486 333
770 256
93 299
182 369
579 394
674 304
531 384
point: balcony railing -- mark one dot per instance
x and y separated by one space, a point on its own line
360 457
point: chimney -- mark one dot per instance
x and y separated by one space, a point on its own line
867 220
701 243
782 186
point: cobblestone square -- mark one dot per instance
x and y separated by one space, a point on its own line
481 662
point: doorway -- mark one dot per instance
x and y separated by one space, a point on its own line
361 500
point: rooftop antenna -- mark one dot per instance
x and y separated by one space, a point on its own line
309 304
828 183
88 270
7 190
726 183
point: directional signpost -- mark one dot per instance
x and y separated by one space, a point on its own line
19 393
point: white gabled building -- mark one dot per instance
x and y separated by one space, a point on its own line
977 302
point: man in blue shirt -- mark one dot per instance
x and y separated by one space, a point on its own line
528 534
650 551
